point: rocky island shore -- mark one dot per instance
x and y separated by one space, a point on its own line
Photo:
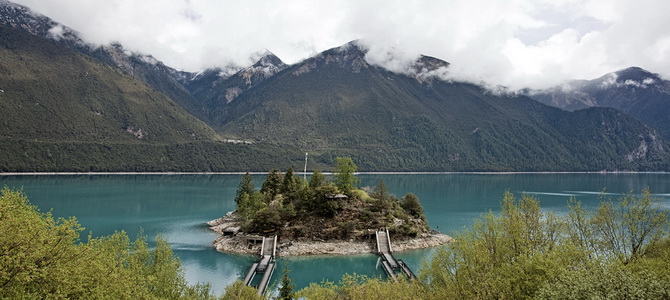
229 242
322 216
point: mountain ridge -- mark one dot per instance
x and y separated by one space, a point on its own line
336 103
633 90
333 104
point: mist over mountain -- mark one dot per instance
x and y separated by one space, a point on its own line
105 104
213 89
633 90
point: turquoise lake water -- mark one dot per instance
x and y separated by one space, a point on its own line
177 206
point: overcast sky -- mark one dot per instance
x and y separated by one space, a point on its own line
515 43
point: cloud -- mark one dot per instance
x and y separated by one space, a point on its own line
514 43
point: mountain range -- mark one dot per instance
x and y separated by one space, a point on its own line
70 106
635 91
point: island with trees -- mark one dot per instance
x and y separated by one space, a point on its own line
321 216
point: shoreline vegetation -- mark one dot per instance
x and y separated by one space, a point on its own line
321 217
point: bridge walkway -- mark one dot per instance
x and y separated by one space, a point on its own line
391 265
265 265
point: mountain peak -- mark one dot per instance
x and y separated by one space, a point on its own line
428 63
635 73
21 17
348 51
266 66
352 47
350 55
265 58
425 68
633 77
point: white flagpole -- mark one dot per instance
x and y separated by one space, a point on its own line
304 174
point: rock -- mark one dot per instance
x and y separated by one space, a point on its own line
238 244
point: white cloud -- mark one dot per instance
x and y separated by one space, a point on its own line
57 32
609 80
515 43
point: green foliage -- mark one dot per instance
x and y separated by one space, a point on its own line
323 291
410 203
286 289
380 192
267 220
317 179
239 291
44 258
363 287
322 204
250 205
345 179
272 185
39 156
291 184
624 230
246 186
619 251
506 256
606 282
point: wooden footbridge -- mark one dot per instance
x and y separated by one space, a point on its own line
266 265
391 265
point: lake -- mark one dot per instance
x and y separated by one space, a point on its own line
177 206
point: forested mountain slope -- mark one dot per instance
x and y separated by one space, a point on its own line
337 104
63 111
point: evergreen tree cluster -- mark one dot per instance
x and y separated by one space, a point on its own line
323 209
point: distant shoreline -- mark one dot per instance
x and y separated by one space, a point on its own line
325 173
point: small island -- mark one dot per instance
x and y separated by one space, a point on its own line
321 217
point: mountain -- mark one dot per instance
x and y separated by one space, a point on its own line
63 111
141 66
638 92
215 88
337 104
70 106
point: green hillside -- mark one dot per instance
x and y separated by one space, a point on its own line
63 111
52 93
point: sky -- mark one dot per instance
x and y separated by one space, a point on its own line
511 43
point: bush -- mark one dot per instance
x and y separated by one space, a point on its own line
267 220
44 258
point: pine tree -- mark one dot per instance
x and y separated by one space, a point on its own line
316 180
286 290
246 186
291 183
272 185
345 179
381 193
